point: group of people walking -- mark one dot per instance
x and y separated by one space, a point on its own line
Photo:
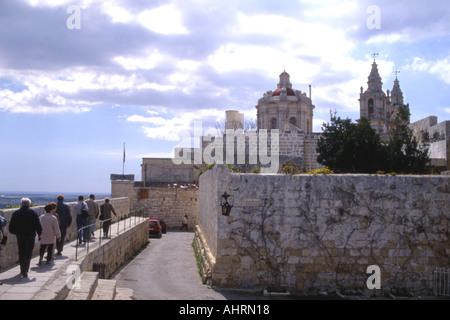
88 212
51 227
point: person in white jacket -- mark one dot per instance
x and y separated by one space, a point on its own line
50 232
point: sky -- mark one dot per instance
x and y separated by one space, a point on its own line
82 80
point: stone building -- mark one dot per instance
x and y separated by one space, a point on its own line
436 136
377 106
285 109
382 109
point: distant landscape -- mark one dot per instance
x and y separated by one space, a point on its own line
13 198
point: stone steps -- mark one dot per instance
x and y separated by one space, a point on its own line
90 287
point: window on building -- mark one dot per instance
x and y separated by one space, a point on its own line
293 121
371 106
273 124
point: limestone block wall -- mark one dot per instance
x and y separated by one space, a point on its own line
308 234
172 204
9 254
118 250
111 255
157 171
291 144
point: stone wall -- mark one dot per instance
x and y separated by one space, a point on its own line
9 254
309 234
118 250
161 171
170 203
111 255
436 136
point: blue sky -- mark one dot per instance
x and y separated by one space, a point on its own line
140 72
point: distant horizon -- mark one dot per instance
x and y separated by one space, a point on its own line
52 192
13 198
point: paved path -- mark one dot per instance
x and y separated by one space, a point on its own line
16 288
167 270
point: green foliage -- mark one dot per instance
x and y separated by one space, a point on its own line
210 166
255 169
233 169
290 168
347 147
404 154
323 171
206 168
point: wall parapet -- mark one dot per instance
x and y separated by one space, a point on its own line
111 255
313 233
9 254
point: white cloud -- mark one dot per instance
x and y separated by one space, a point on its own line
164 20
440 68
179 127
57 3
149 61
388 38
117 14
46 92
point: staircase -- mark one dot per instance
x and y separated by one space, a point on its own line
90 287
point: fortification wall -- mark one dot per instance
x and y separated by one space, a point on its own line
9 254
307 233
169 203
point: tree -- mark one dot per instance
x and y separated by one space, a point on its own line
351 148
346 147
404 153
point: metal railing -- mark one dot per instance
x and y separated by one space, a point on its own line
120 218
441 282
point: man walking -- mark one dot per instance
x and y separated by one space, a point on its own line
25 225
65 221
184 224
81 219
106 209
94 210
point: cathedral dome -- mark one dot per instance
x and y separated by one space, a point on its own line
289 92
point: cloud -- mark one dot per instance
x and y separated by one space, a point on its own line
440 67
200 55
180 127
165 20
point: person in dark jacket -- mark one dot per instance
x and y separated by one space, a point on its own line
65 221
25 225
106 209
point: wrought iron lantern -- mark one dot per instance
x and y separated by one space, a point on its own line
226 206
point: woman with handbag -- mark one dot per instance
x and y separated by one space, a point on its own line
50 232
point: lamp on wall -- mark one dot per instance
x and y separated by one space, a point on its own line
226 206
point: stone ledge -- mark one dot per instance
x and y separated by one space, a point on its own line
84 287
56 288
124 294
106 290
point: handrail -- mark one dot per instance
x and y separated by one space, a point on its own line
119 218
